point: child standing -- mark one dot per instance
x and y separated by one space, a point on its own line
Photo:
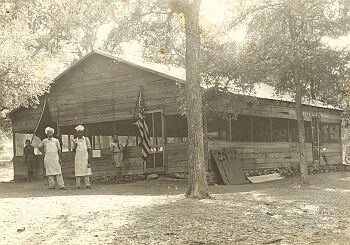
117 154
29 159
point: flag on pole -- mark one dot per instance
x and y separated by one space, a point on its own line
44 121
141 124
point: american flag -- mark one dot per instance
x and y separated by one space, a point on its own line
143 129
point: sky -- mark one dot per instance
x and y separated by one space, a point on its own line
213 12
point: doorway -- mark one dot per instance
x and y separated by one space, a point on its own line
155 160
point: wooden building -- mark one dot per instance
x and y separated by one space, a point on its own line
100 92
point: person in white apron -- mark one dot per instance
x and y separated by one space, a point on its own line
82 148
51 149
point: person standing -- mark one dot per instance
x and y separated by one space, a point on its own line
82 148
29 159
117 154
51 149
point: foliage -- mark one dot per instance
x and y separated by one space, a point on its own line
286 49
287 35
159 28
40 38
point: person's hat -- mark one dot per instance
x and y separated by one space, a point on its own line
49 129
79 128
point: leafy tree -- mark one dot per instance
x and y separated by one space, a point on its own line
37 34
19 83
286 48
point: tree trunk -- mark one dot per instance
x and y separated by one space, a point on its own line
304 178
197 182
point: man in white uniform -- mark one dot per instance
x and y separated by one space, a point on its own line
51 149
82 148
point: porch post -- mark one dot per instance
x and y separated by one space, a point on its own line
14 144
205 140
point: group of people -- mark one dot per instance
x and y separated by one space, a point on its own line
51 150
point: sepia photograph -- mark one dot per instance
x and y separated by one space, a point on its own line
175 122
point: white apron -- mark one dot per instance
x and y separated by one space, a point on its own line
81 158
51 159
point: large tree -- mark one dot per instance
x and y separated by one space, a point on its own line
175 33
286 48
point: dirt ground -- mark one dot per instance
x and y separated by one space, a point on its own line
156 212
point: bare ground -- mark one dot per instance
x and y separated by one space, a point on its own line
156 212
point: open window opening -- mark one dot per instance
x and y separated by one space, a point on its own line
19 140
176 129
218 126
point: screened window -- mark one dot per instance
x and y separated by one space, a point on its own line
66 143
334 133
102 142
308 133
279 130
261 129
241 128
176 129
293 127
218 127
324 132
173 140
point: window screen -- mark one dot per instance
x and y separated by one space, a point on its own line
279 130
218 127
241 129
324 132
176 126
293 127
261 129
334 133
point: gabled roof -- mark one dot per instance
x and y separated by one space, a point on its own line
157 69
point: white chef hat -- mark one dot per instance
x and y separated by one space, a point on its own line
79 128
47 129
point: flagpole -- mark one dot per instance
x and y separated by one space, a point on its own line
137 100
133 116
38 123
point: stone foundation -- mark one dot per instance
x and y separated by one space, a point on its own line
214 178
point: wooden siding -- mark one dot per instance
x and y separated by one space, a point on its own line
21 170
24 120
276 155
177 157
100 90
333 153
